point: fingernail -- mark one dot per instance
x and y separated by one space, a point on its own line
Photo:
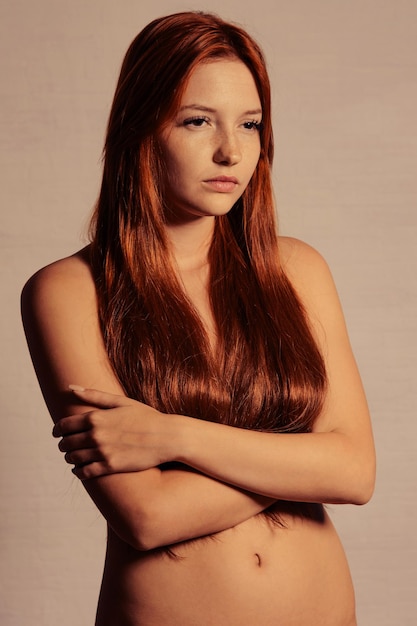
76 388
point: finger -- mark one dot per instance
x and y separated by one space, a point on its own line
71 424
83 457
100 399
79 441
92 470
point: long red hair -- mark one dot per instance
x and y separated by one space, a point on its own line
268 373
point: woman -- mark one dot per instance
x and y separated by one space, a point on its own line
221 403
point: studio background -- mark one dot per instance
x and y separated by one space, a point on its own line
345 100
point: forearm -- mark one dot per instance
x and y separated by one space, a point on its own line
155 508
311 467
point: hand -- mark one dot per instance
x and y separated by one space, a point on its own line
122 435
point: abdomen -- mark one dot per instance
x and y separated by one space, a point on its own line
255 573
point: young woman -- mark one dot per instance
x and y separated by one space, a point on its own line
197 367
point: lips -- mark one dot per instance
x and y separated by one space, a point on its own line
223 179
224 184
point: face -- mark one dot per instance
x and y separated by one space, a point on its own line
212 145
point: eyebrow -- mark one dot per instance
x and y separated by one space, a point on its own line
200 107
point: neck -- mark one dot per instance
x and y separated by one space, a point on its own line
191 242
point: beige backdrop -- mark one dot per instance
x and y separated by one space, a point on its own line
344 76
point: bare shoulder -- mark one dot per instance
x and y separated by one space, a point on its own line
61 322
60 282
311 278
303 264
61 294
307 270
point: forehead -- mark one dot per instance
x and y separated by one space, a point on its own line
221 81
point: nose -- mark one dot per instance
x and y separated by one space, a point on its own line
227 150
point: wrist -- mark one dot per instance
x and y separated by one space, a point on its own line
174 438
181 437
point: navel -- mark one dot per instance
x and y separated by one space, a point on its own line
258 559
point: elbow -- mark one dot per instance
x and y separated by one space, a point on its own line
357 479
366 491
362 495
146 539
138 521
138 539
353 481
136 535
139 536
363 483
141 542
144 531
357 492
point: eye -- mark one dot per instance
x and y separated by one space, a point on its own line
197 122
252 125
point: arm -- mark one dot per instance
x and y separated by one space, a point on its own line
335 463
147 509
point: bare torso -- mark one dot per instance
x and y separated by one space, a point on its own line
254 573
250 575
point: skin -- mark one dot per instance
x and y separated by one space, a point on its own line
250 572
209 138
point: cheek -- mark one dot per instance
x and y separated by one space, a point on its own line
253 150
168 152
172 169
185 168
253 162
175 163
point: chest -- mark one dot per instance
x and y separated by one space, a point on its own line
195 285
